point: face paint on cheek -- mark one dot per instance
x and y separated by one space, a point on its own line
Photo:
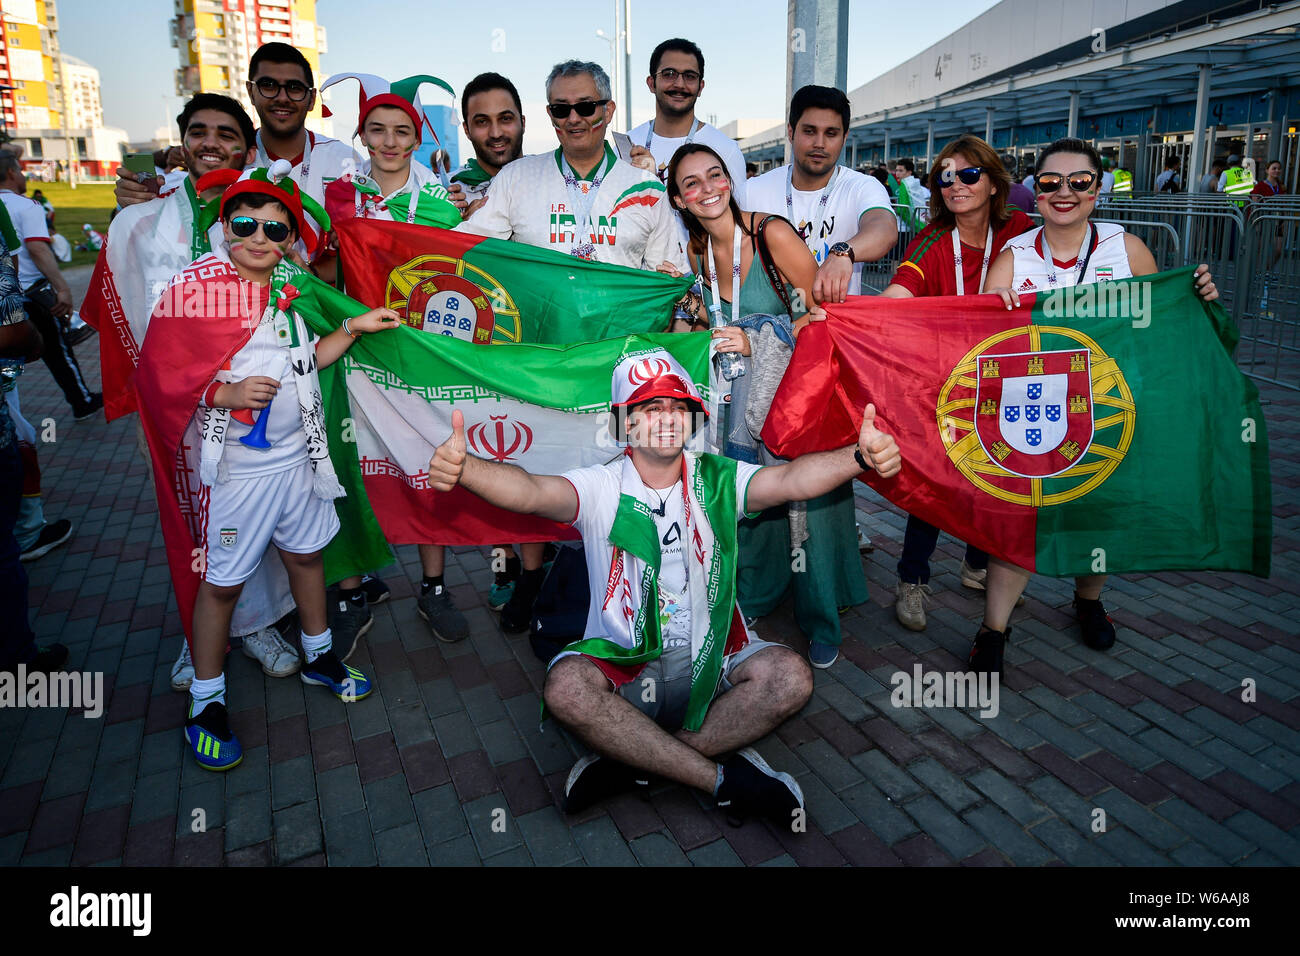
236 244
598 123
692 194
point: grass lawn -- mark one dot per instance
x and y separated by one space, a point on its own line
88 203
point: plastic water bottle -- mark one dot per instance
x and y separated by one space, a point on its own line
731 365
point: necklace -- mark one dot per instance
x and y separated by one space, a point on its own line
820 209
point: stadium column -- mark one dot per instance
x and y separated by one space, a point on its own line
1072 123
885 160
929 144
988 125
1200 159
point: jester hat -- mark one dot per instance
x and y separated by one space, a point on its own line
272 181
402 94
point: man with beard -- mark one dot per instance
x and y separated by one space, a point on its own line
494 125
844 216
677 80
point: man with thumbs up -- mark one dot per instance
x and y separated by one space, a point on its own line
667 676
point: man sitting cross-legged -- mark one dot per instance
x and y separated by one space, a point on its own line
659 529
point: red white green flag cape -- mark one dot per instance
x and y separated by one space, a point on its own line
1097 429
147 244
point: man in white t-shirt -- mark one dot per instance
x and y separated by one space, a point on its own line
582 199
845 217
677 80
664 689
494 126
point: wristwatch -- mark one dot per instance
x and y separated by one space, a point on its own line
843 249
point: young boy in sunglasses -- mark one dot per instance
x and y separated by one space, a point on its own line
227 491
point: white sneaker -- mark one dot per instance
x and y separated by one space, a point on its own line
909 605
183 669
277 658
973 578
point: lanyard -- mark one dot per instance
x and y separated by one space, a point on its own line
381 202
815 235
690 137
984 269
263 159
715 308
1080 261
582 208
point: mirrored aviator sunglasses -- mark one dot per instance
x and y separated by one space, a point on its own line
586 108
969 176
245 226
1080 181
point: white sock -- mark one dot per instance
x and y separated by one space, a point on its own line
205 692
314 647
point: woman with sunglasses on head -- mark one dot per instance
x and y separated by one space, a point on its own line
970 222
1068 181
757 274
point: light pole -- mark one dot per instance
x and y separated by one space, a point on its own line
613 60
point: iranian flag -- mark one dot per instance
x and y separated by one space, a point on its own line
1096 429
388 404
492 290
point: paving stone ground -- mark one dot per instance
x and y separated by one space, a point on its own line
446 763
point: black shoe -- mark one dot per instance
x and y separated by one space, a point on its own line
517 615
751 788
52 535
595 778
48 659
376 590
95 404
79 334
1098 631
348 621
986 651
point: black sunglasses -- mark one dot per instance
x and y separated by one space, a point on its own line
584 109
969 176
1080 181
294 89
245 226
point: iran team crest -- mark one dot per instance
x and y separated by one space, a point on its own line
1035 415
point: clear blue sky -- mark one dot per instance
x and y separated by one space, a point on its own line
743 43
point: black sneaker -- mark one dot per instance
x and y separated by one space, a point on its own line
348 621
95 404
48 659
376 590
52 535
986 650
1098 631
517 615
751 788
595 778
79 334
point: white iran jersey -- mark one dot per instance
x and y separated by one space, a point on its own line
631 218
851 195
1030 271
326 160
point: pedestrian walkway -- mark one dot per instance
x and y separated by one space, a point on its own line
447 765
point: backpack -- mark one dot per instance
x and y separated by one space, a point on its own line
560 612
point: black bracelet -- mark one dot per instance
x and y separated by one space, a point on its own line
862 462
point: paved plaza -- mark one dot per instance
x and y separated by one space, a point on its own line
446 763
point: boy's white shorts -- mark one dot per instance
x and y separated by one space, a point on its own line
242 516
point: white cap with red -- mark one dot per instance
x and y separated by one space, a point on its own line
647 375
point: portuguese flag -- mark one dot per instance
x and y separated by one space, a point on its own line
493 290
388 405
1097 429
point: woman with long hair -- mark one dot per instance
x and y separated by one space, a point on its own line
970 222
759 274
1067 184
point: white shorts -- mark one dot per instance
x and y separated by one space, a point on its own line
246 515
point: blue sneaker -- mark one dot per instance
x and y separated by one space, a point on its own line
209 736
343 681
822 656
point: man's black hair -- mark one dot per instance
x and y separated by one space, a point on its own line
675 45
256 201
220 103
819 97
906 164
277 52
481 84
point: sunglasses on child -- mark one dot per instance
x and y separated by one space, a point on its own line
245 226
585 109
1080 182
969 176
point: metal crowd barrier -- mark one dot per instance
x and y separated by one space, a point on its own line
1253 252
